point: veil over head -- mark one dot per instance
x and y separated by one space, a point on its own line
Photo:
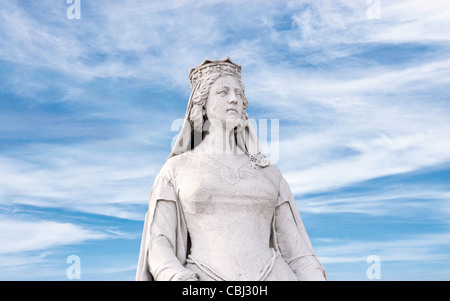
189 138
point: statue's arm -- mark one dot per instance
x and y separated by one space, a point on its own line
292 238
163 264
293 248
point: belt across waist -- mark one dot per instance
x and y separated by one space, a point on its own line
218 277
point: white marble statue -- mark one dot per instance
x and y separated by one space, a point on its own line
218 209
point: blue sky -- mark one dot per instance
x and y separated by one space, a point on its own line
361 96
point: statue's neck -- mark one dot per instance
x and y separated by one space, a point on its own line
220 139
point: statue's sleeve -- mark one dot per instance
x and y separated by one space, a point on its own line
292 239
158 259
163 264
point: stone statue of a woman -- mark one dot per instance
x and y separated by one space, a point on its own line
218 209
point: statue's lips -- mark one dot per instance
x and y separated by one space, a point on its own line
232 110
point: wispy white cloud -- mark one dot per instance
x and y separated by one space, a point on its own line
429 203
29 246
81 179
413 21
21 235
325 24
129 45
11 261
423 247
375 157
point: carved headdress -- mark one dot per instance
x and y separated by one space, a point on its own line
224 67
189 137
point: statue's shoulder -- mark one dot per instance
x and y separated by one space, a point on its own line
178 161
274 171
274 168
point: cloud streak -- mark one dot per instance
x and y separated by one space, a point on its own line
22 236
429 247
376 157
79 179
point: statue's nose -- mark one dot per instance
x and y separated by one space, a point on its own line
232 98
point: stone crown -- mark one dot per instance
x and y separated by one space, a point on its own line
225 67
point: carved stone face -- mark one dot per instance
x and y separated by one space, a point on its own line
225 100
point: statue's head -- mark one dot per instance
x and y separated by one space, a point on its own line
218 93
217 96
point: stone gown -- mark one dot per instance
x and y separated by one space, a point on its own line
210 221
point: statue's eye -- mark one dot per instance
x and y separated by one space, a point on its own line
222 92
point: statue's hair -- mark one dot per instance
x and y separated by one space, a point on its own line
200 96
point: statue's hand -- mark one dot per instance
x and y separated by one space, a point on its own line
186 275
